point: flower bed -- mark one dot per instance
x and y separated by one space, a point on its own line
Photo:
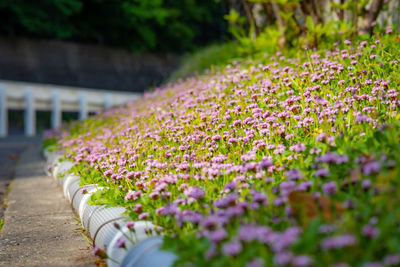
270 162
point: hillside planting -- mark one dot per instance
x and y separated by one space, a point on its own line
273 161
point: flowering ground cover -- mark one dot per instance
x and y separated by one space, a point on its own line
270 162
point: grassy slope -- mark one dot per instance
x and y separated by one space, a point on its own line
278 161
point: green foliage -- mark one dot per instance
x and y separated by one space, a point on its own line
266 42
138 25
328 32
49 143
236 25
209 57
299 23
44 18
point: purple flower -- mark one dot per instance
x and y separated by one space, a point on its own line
342 159
230 186
299 147
194 218
229 200
217 235
320 137
130 225
264 164
133 195
348 204
315 150
263 234
302 261
137 208
211 253
365 184
248 233
326 229
287 185
304 186
283 258
322 173
257 262
194 192
95 251
294 174
279 149
234 211
282 241
371 167
360 118
170 209
254 206
143 215
370 231
216 137
120 243
232 248
259 198
210 222
280 201
337 242
391 260
329 188
332 158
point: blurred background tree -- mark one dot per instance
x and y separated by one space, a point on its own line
260 27
231 28
294 23
136 25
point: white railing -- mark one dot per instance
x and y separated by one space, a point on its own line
32 97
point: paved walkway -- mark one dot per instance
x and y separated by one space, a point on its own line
10 150
39 229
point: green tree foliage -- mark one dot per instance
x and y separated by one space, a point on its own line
301 23
138 25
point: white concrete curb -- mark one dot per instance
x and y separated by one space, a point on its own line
98 220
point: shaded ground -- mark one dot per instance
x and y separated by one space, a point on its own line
39 228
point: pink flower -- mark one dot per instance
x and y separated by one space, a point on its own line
194 192
137 208
130 225
120 243
143 215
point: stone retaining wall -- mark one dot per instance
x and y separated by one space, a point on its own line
80 65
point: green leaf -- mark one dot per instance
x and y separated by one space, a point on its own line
310 24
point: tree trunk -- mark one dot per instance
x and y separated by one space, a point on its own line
341 12
280 23
269 14
312 8
250 17
370 16
355 16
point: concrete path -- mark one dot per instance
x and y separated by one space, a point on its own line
10 150
39 228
